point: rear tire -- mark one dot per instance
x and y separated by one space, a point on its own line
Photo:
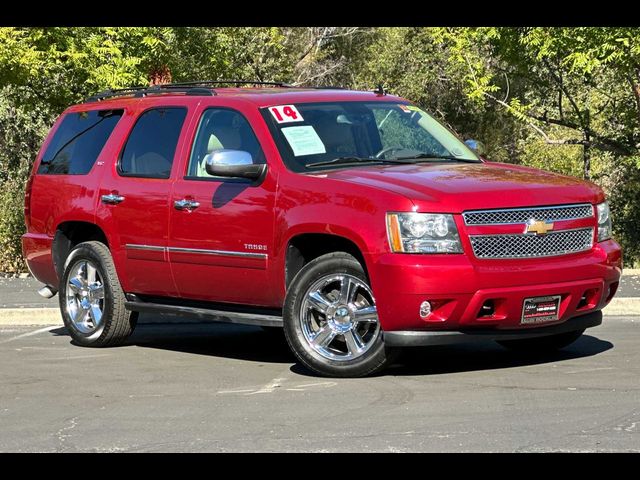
330 320
542 344
92 302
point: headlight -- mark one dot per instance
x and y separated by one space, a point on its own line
423 233
604 221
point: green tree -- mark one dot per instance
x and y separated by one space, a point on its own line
563 99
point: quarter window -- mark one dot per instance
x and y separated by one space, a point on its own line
78 141
151 146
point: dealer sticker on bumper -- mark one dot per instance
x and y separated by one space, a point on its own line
540 309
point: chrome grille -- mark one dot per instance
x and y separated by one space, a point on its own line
522 215
531 246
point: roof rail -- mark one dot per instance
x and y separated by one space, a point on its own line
197 88
189 88
231 82
154 89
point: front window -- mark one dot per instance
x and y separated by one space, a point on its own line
221 129
316 136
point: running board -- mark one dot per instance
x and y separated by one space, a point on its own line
209 314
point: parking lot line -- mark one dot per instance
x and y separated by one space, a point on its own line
29 334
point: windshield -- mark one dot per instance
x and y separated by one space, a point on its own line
315 136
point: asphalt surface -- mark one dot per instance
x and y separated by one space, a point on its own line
22 292
213 387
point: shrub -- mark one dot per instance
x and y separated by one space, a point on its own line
11 225
22 130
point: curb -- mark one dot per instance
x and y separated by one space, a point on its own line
30 316
51 316
623 306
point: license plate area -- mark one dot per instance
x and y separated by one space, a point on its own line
540 309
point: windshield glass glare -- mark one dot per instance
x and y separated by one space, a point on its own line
310 134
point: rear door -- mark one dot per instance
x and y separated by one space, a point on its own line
219 249
134 200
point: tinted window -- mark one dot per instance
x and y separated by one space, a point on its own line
78 141
152 143
222 129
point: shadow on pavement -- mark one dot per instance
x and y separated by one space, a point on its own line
487 356
244 342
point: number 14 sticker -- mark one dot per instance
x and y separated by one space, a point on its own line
286 114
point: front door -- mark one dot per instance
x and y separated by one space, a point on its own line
134 201
221 229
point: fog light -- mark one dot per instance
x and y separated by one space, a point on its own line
425 309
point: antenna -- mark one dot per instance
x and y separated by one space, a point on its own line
380 90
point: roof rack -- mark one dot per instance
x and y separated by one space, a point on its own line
188 88
196 88
154 89
231 82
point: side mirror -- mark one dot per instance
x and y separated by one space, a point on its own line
475 145
233 163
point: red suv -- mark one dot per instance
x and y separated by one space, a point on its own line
352 219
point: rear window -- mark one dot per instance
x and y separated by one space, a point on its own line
78 142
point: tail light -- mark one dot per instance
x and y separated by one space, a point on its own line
27 202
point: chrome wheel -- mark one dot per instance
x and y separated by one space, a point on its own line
338 317
85 297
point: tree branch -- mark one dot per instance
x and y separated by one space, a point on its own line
635 87
564 89
609 143
538 130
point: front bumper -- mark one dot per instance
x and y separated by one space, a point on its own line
458 287
412 338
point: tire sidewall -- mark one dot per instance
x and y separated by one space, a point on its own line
369 362
86 252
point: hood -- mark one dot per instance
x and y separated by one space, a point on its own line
455 187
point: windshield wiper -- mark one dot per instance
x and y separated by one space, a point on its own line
426 156
398 161
347 160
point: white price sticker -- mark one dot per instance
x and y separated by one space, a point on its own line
286 114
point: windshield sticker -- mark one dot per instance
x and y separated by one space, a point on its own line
410 108
286 114
304 140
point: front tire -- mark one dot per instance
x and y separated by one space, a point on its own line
330 319
92 302
542 344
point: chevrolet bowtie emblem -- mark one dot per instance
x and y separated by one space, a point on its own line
539 227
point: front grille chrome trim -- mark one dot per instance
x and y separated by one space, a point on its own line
505 246
509 216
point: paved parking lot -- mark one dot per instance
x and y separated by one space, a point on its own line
210 387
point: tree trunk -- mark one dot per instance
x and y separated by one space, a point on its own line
636 93
586 149
586 156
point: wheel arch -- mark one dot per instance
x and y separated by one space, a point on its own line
304 246
70 233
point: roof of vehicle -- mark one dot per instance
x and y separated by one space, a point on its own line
259 96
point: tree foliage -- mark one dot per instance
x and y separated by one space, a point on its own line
563 99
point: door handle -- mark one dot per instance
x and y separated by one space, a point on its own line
112 199
186 204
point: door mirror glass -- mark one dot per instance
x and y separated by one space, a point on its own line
233 163
475 145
